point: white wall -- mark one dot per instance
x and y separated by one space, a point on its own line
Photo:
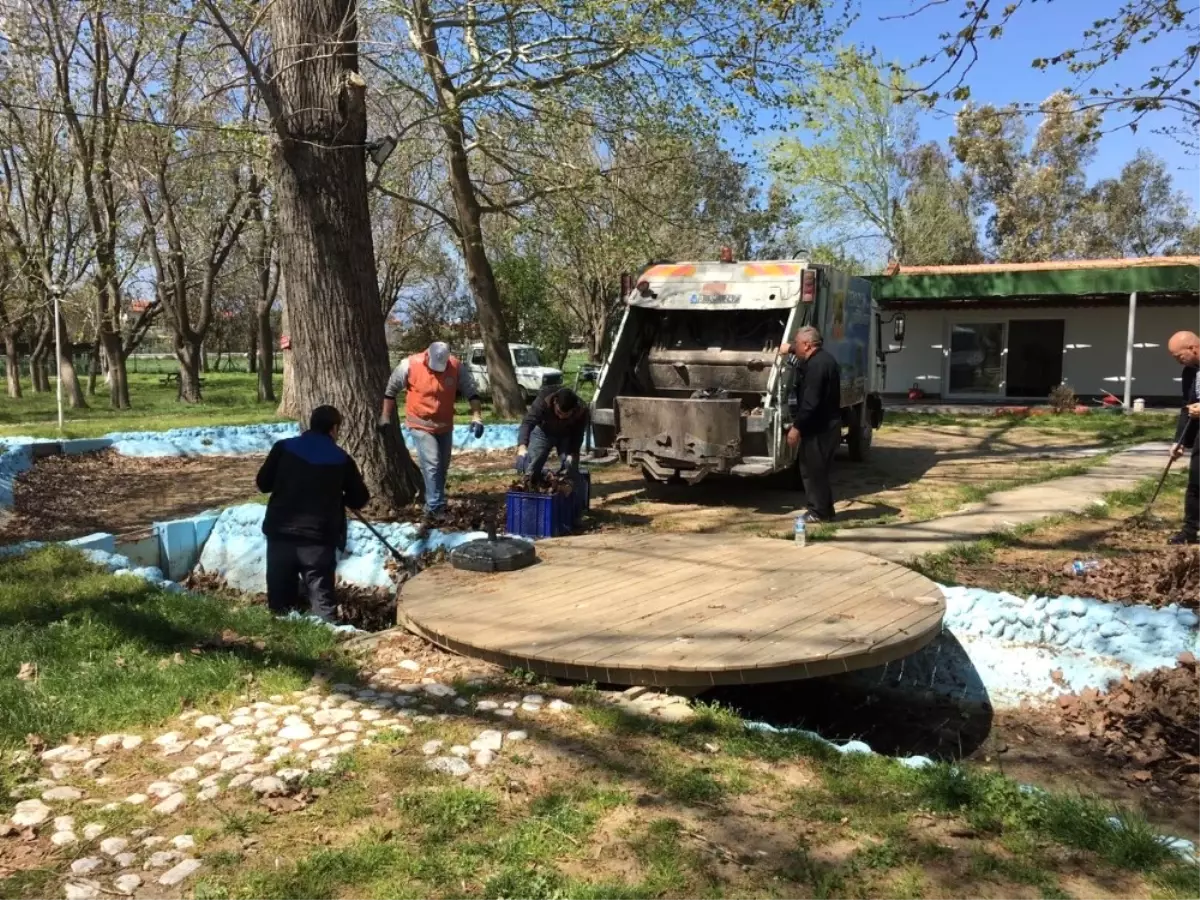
1094 339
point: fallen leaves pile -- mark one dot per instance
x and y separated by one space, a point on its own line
1146 724
63 497
549 483
1154 579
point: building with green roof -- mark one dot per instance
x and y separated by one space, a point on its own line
1012 332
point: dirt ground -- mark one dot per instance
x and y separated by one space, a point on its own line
913 473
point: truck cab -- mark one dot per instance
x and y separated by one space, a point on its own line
532 376
694 383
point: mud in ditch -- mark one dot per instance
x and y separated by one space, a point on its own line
892 722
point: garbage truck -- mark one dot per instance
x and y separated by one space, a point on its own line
695 385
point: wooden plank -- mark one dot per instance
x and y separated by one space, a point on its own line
560 564
745 601
529 607
611 608
657 597
731 650
820 637
533 635
833 603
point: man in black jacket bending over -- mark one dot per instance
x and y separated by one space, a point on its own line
1185 347
817 426
311 480
557 420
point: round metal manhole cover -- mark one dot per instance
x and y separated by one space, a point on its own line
504 554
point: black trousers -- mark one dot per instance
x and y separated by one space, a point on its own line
294 567
816 459
1191 500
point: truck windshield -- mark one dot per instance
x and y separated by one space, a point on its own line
526 356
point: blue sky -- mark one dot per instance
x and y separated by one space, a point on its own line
1003 73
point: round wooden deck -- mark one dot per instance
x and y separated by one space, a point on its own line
679 609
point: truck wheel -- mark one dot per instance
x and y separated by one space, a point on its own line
858 438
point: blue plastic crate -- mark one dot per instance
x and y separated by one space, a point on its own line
540 515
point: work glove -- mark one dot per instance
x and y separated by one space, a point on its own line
476 429
384 423
522 465
565 466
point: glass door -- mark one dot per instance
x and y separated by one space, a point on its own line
977 358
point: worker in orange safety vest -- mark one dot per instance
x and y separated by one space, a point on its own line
432 380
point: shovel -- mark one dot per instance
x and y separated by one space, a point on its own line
409 566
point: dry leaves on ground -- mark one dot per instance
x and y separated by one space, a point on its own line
1155 579
1146 724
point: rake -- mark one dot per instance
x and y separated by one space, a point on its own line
409 566
1143 517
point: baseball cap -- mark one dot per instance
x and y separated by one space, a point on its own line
439 356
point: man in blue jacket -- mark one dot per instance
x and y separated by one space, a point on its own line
1185 347
311 481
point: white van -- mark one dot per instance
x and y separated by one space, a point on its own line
532 376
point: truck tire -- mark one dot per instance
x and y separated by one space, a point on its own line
858 437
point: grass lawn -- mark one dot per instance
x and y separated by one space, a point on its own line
595 803
113 652
230 398
1109 428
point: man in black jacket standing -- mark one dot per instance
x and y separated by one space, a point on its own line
1185 347
817 426
556 420
311 480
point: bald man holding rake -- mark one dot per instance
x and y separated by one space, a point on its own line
1184 346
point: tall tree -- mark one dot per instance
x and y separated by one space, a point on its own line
1034 199
42 229
935 212
97 57
849 172
192 184
315 97
1140 212
502 80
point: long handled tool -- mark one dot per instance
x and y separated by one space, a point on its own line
1144 515
409 566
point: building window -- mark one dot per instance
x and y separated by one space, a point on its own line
977 358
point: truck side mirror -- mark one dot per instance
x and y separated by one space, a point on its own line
899 332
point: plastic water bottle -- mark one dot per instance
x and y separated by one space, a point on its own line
1084 565
798 533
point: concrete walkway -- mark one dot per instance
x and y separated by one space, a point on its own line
1007 509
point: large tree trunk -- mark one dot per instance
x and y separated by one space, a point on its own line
189 355
252 352
288 407
266 356
327 254
118 375
66 369
12 363
37 362
502 378
94 367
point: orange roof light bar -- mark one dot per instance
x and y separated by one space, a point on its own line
677 271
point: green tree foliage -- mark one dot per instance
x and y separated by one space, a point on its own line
935 214
847 172
1034 199
527 297
1140 212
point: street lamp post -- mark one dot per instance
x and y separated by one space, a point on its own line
56 291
